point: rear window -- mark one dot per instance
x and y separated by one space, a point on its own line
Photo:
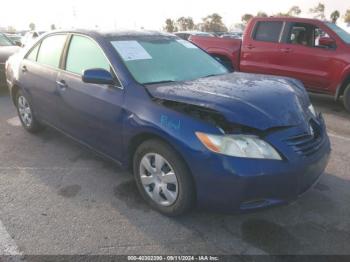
268 31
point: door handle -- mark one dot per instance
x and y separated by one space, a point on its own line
250 46
62 84
286 50
24 69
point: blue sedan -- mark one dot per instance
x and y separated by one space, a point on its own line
192 132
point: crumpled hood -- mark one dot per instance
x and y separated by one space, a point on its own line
6 52
257 101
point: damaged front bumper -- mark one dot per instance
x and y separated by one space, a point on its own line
239 184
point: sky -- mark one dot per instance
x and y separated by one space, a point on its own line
148 14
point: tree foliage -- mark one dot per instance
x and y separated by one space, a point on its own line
213 23
246 17
335 16
11 29
294 11
261 14
318 11
32 26
170 26
347 16
185 23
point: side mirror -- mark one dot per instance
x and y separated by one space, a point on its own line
97 76
327 41
18 43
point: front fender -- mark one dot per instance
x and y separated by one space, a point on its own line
175 128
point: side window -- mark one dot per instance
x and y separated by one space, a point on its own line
84 54
268 31
51 49
306 35
33 54
321 39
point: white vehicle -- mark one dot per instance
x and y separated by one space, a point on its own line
30 36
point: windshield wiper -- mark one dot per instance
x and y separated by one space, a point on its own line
159 82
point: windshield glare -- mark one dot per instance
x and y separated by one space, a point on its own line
4 41
166 59
345 36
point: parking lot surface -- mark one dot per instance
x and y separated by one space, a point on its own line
58 198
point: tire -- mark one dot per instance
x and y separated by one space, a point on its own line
346 98
26 114
182 187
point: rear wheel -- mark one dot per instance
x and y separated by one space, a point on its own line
25 113
163 179
346 97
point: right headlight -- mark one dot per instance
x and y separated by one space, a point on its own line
247 146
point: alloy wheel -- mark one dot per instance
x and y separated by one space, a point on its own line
25 113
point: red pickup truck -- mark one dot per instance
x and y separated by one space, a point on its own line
313 51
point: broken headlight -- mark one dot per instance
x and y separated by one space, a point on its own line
247 146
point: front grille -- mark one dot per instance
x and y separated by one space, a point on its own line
306 144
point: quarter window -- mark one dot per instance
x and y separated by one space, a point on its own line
268 31
51 49
85 54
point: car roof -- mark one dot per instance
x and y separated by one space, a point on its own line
115 34
289 19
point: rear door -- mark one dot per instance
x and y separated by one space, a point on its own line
92 113
259 52
38 73
302 56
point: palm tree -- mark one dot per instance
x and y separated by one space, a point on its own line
32 26
169 25
335 16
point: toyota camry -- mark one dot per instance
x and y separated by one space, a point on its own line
193 133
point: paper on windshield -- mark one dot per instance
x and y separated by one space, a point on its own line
131 50
186 44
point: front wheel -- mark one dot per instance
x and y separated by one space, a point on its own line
346 98
163 179
25 113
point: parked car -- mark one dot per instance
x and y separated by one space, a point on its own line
15 38
186 34
192 132
313 51
7 48
234 35
30 36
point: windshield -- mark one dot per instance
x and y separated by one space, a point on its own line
159 59
4 41
345 36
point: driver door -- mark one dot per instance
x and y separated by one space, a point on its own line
304 58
